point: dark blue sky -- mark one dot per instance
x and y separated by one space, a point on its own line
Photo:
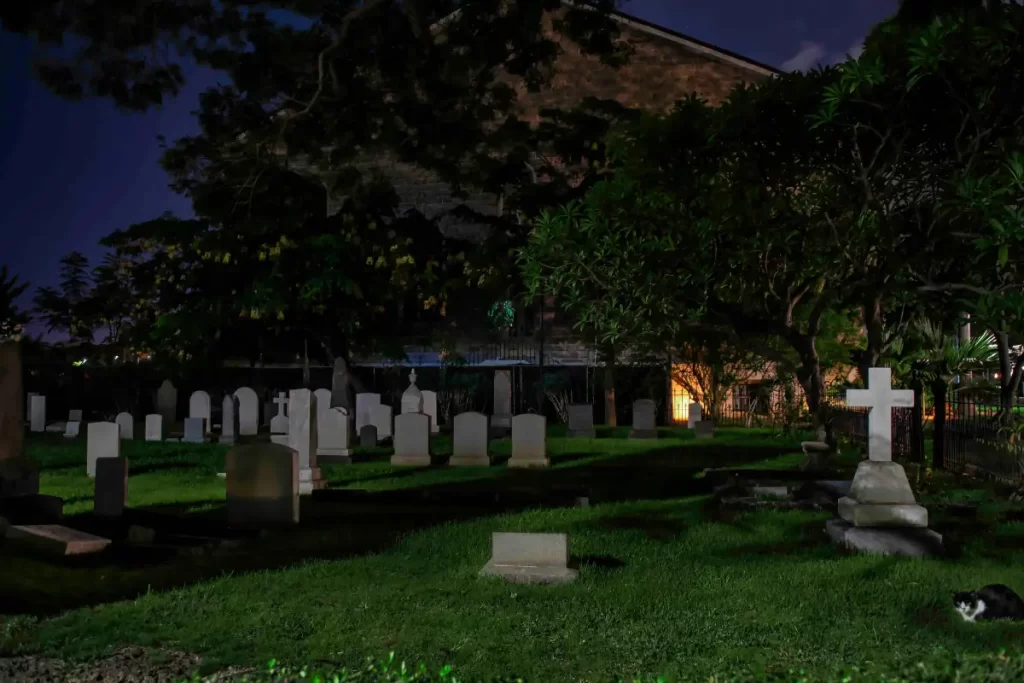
72 172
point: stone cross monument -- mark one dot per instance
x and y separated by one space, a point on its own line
881 398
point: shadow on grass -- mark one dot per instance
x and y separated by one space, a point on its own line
654 528
599 561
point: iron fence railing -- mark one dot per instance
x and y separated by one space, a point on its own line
975 440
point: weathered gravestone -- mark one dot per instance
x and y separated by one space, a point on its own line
199 406
704 429
530 558
71 430
194 430
334 441
412 440
581 421
167 402
111 490
501 417
279 423
412 399
368 436
880 513
262 482
229 420
125 426
364 409
28 403
154 427
469 447
529 441
57 540
103 440
74 416
323 403
302 438
383 421
430 408
693 415
248 411
644 424
37 418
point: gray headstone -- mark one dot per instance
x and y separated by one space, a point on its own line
37 413
693 415
154 427
126 426
469 447
102 441
704 429
581 421
229 420
430 408
412 399
529 441
111 490
248 411
412 440
167 402
199 406
644 424
368 436
302 433
501 417
530 558
71 430
194 430
262 482
74 416
383 420
279 423
323 403
335 435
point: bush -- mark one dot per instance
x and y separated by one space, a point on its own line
940 668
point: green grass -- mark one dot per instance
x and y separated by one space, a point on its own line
668 585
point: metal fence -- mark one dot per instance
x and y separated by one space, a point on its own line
975 440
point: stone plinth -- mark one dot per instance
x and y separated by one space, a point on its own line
882 515
886 541
880 496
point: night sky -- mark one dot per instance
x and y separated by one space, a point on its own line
73 172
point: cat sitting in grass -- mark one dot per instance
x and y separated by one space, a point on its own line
989 603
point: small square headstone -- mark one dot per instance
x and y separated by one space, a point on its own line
111 490
154 427
103 440
644 426
469 441
530 558
126 426
412 440
581 421
71 430
262 483
368 436
529 441
705 429
193 430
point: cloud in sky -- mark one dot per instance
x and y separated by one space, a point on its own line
809 55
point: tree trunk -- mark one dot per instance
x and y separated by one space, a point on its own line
12 403
872 312
917 424
813 383
939 390
609 386
1009 377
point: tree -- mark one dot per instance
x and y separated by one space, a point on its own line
67 309
11 318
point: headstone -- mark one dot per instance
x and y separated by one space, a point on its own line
693 415
193 430
581 421
530 558
154 427
103 440
279 423
111 490
57 540
412 399
644 425
364 409
302 438
199 406
262 482
248 411
368 436
334 441
469 441
71 430
412 440
430 408
229 420
881 398
382 420
37 416
28 402
167 402
529 441
323 401
126 426
56 427
340 396
74 416
501 417
704 429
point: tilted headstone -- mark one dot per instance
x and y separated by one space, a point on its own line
111 490
469 441
501 418
529 441
126 426
167 402
248 411
693 415
530 558
103 440
430 409
37 416
412 399
229 420
154 427
279 423
194 430
71 430
199 406
74 416
368 436
262 482
302 433
644 424
364 409
581 421
383 421
412 440
334 440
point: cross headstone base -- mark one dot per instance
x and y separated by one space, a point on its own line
898 541
310 480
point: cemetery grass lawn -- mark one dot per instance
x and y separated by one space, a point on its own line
667 586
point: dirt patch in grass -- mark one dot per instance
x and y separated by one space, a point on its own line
128 665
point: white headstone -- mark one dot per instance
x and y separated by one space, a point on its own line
412 440
279 423
71 429
694 415
302 433
194 430
364 409
881 398
74 416
229 420
167 402
103 440
248 411
37 414
199 406
382 420
469 447
529 441
430 408
126 425
28 405
323 400
412 399
334 438
502 414
154 427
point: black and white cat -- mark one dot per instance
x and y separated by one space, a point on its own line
989 603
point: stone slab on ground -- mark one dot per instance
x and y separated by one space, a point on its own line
886 540
530 558
57 540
